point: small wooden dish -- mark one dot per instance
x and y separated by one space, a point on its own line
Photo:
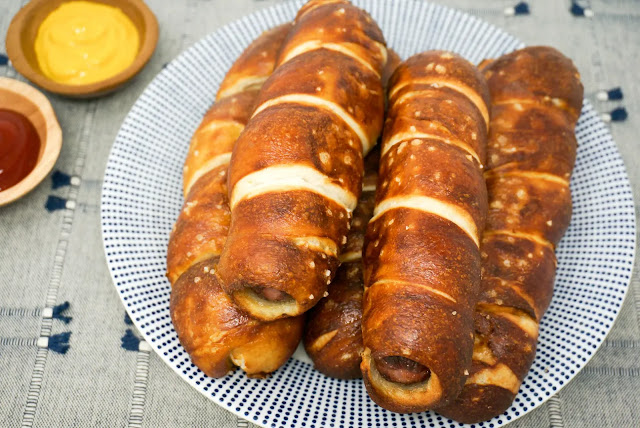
22 34
25 99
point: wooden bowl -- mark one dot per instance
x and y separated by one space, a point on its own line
22 34
25 99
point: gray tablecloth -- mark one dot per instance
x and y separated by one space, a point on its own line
54 283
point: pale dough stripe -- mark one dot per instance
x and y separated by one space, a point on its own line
315 243
534 175
449 212
423 286
283 178
500 375
210 165
383 51
322 340
312 100
241 86
515 287
438 83
407 136
313 45
381 47
515 316
215 124
557 102
368 187
482 353
526 323
351 256
522 235
317 5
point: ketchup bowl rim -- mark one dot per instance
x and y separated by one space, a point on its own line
51 144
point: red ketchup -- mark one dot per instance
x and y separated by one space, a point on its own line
19 148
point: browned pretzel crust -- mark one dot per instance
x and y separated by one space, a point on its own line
536 100
217 335
421 257
296 171
333 332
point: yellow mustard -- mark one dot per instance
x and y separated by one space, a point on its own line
83 42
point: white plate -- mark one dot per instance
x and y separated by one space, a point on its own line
142 197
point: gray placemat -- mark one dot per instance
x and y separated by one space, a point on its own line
92 370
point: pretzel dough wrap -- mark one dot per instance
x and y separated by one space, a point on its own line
421 257
296 170
333 331
536 100
217 335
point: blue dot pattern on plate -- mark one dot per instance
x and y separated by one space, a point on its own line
142 196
